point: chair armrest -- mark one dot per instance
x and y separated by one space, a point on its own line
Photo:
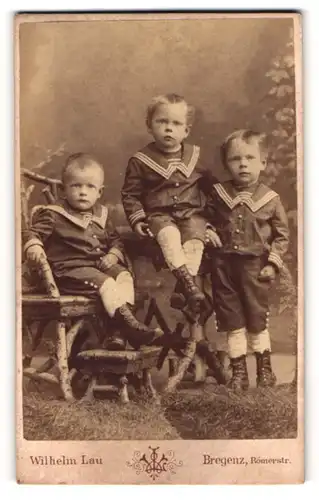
44 277
47 277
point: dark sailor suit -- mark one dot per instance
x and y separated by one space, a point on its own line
75 243
167 189
253 228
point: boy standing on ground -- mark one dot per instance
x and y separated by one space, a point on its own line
249 230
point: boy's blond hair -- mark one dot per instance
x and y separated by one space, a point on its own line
169 99
247 136
80 161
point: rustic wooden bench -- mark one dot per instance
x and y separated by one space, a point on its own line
71 317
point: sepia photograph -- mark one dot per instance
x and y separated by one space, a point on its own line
159 184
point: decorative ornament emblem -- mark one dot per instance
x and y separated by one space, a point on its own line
154 463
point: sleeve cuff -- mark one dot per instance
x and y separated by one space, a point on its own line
276 260
31 243
118 253
210 226
137 217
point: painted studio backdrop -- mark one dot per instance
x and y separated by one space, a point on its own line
87 84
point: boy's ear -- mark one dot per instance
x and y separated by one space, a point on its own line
62 192
187 130
264 163
101 191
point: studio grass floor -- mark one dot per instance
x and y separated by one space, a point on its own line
204 412
210 412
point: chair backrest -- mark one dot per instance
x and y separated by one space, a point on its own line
51 194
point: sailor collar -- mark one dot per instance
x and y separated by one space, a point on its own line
254 198
98 215
165 167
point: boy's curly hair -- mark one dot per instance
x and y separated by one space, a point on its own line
248 136
169 99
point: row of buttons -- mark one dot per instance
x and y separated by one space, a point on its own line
91 284
95 237
175 198
267 320
238 230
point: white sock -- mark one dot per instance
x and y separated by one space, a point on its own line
237 343
169 239
125 285
111 296
260 341
193 251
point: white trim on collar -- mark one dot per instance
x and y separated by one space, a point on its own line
244 197
173 165
84 223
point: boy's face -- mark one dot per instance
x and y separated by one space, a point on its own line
244 162
83 188
169 126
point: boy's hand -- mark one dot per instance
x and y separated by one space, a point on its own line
35 253
142 228
108 261
212 238
268 273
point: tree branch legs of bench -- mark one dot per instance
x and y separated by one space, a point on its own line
64 342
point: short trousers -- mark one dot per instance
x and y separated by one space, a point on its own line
241 299
193 227
86 280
